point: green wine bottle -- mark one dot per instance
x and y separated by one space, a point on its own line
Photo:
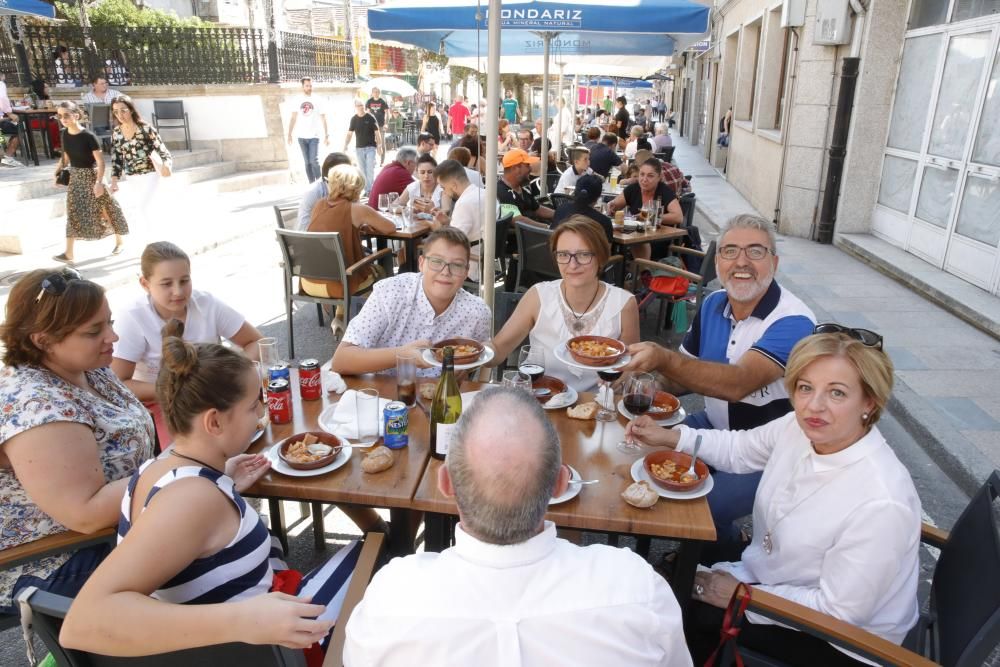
446 407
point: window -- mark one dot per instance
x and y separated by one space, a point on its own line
973 9
927 12
773 78
749 58
727 79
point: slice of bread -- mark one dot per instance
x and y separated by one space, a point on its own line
584 410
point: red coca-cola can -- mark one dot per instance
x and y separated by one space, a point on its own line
310 380
279 401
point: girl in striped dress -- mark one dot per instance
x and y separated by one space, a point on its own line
186 536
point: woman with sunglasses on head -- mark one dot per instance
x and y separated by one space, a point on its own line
578 304
91 211
70 432
136 148
195 563
836 518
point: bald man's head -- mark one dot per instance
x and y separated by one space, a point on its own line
503 462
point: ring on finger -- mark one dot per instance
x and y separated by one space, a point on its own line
699 590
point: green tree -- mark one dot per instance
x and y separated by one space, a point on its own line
124 13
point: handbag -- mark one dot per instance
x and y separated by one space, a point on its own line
670 285
62 178
732 619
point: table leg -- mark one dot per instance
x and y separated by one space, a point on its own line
401 531
30 138
684 569
411 256
319 527
436 529
276 514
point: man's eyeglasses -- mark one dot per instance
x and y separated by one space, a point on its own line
583 257
437 265
56 284
755 252
867 337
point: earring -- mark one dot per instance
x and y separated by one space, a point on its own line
864 416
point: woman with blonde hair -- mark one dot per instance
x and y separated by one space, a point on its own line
91 211
836 519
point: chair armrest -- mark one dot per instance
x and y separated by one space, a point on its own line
649 264
614 259
362 575
933 535
367 260
832 629
53 544
686 251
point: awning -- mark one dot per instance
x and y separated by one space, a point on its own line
27 8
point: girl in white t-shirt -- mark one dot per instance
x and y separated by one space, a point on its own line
166 278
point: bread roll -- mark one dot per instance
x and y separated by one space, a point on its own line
377 460
638 494
584 411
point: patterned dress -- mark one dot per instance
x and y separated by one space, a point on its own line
31 396
131 156
88 217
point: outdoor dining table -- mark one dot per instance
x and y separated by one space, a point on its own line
410 236
591 448
45 117
661 233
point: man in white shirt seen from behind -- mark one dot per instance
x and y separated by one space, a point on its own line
510 592
467 213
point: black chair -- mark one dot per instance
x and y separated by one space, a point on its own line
699 280
533 255
49 610
962 625
687 208
100 122
319 256
666 154
559 198
173 112
499 250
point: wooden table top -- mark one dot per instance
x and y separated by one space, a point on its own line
51 111
349 484
417 230
591 448
663 233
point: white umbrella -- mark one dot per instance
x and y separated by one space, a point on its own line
391 84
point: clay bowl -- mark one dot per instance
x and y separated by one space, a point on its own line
454 342
588 360
554 385
683 462
664 406
324 438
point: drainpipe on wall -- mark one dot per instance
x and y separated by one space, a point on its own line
841 128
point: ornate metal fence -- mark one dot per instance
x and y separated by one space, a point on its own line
319 58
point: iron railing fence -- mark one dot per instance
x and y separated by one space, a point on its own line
320 58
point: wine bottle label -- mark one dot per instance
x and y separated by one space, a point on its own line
444 433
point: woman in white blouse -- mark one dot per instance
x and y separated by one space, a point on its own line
424 193
836 520
578 304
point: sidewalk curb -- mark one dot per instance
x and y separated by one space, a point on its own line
961 460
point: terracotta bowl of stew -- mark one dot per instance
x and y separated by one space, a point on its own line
595 351
664 406
554 385
297 463
466 349
666 466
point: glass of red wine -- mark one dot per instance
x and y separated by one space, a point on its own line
531 362
638 399
607 411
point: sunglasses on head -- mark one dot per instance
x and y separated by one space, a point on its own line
57 283
867 337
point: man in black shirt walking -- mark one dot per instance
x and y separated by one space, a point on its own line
378 107
368 139
621 119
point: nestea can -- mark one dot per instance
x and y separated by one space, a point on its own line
397 422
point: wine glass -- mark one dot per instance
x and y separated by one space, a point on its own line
638 399
383 203
607 411
516 380
531 362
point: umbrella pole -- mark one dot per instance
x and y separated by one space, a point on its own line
492 120
543 181
559 113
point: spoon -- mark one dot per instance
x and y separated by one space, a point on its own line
691 474
584 482
542 391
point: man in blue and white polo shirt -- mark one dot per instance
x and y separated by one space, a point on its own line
735 354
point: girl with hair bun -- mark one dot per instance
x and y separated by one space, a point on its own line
195 563
166 280
585 196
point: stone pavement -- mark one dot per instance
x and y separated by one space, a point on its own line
947 390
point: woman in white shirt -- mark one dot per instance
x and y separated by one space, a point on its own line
836 520
578 304
425 193
166 279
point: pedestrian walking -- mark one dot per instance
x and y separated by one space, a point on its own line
307 128
367 139
138 153
91 211
432 123
377 107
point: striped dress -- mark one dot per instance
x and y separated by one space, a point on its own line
245 567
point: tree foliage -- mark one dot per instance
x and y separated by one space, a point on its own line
124 13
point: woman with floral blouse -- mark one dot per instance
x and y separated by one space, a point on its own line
136 148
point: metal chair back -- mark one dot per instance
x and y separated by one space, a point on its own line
286 216
665 154
533 251
173 112
687 208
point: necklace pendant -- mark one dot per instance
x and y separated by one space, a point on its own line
578 326
767 544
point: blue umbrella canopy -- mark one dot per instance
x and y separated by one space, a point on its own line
27 8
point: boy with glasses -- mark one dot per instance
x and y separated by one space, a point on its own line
411 311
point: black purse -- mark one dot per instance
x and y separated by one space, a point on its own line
62 178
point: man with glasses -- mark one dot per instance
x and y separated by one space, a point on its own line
100 92
734 355
525 140
412 311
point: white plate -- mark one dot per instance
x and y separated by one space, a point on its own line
484 358
572 491
672 420
278 465
639 474
562 400
563 355
256 435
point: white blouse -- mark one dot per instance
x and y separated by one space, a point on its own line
843 529
552 328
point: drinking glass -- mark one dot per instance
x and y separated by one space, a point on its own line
366 409
406 378
407 216
638 398
517 380
393 196
262 378
531 362
268 348
383 203
607 411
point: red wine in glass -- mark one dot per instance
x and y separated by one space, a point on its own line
609 375
638 404
534 371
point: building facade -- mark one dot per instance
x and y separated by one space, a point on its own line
922 162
